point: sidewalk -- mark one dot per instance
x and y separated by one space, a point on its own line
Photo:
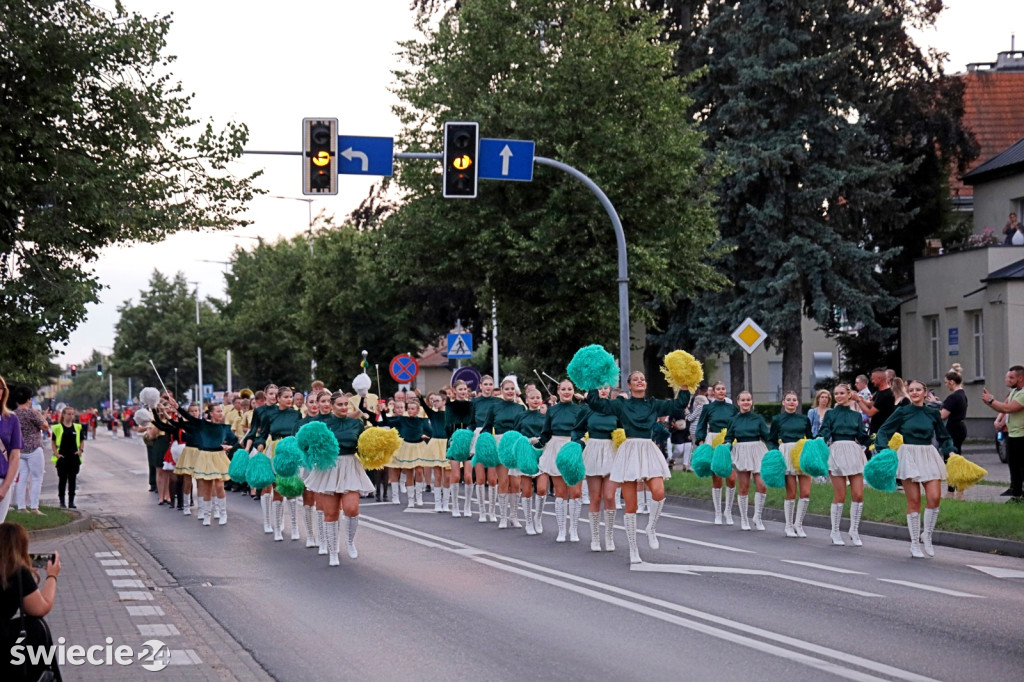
110 587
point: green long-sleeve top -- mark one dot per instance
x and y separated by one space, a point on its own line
258 416
917 425
346 430
280 424
437 422
842 423
306 420
503 417
747 427
637 415
598 426
714 417
207 435
482 407
458 414
411 429
530 423
176 430
560 421
789 428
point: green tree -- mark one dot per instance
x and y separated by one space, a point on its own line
89 389
97 147
588 83
162 327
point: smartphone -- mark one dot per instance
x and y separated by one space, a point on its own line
41 560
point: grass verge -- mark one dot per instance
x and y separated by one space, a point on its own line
54 517
996 520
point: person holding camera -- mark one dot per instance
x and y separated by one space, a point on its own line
20 592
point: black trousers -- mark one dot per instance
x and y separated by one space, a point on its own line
1015 460
67 480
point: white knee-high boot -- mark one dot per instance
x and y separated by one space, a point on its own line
513 509
618 498
480 501
538 512
456 510
420 487
527 501
790 507
350 541
265 503
914 526
652 522
856 509
801 511
467 511
503 510
206 509
441 499
609 530
293 513
595 531
222 502
634 551
837 518
331 528
396 497
278 507
560 518
575 509
730 495
186 502
759 499
716 499
311 530
931 516
744 503
492 501
321 528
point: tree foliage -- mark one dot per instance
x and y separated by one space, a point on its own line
97 147
588 83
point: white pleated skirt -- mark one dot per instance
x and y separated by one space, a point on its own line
748 456
846 458
547 459
598 457
920 463
346 476
638 459
786 449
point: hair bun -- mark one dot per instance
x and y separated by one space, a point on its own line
956 367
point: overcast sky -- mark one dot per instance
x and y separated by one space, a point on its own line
253 62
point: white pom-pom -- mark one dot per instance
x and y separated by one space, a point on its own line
361 384
143 417
149 396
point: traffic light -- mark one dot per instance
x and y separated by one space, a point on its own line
74 371
99 369
319 156
461 149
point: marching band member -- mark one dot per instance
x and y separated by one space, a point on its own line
598 456
531 425
314 400
483 404
716 416
750 431
210 463
458 414
788 427
846 434
558 428
274 426
437 448
501 419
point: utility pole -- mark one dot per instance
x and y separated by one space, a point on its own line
199 351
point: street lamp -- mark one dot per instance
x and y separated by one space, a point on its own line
199 351
176 383
309 204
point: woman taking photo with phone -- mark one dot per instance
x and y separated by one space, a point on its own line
20 591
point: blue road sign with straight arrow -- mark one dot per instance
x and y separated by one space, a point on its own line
366 155
505 159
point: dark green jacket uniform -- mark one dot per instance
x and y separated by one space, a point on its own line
637 415
714 417
747 428
917 425
842 423
789 428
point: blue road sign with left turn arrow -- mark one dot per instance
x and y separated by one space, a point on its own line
505 159
366 155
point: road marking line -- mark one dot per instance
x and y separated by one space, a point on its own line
113 562
686 518
106 555
414 510
998 571
786 650
112 572
690 541
128 583
756 571
823 567
134 596
931 588
158 630
661 568
145 611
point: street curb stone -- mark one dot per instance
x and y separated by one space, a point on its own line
82 524
890 531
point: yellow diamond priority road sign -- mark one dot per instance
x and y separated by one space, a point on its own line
749 335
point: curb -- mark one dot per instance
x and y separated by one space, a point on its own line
82 524
889 531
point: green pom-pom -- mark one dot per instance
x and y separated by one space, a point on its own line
317 442
287 457
570 463
773 469
814 458
260 472
701 460
486 451
721 461
458 445
880 471
528 457
507 449
593 367
239 463
290 486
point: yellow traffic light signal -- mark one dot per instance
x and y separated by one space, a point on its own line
319 156
461 148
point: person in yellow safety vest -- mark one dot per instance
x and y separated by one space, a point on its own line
67 454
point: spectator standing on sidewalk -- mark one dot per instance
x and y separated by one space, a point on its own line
1013 408
10 449
68 446
881 405
32 427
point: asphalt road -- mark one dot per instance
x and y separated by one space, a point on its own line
434 597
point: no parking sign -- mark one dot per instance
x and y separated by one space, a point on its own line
403 368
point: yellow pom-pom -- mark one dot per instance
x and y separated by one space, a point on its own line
794 454
377 446
896 441
618 437
962 473
719 438
682 369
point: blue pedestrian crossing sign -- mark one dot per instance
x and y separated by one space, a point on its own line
506 159
460 346
366 155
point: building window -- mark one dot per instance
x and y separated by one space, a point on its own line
932 325
978 338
